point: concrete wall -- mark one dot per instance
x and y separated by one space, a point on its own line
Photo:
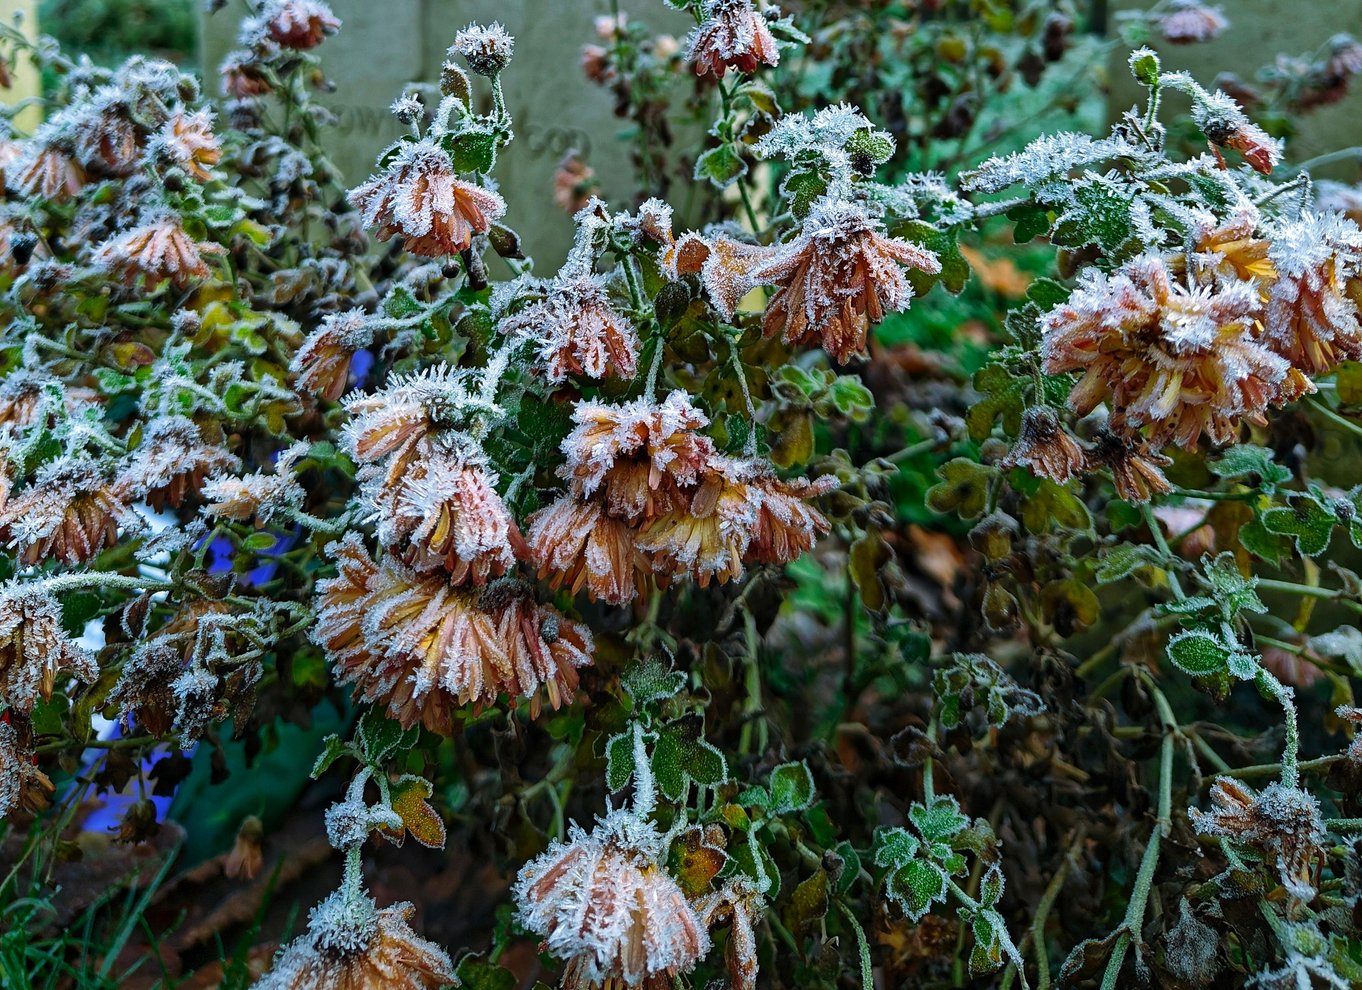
26 81
385 44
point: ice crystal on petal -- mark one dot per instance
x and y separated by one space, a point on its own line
351 944
261 496
34 649
1283 822
189 141
22 785
419 197
158 249
171 461
577 544
733 34
578 331
1181 359
322 363
70 511
603 902
487 48
1311 321
838 278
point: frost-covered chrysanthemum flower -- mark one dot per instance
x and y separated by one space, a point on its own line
70 512
639 454
445 509
158 249
1045 448
603 902
34 648
577 544
1283 822
579 332
172 461
298 24
1180 360
419 197
105 138
487 48
740 905
242 77
352 944
1134 465
1231 249
733 35
262 495
838 278
23 787
422 648
322 363
1310 319
189 140
46 169
726 266
1226 126
1188 21
25 396
787 526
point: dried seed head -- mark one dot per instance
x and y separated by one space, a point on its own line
487 48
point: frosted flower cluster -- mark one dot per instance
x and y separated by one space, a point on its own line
731 35
649 494
34 648
603 902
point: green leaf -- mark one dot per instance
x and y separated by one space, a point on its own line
1003 398
475 151
1249 461
1055 503
963 488
802 189
722 166
651 680
379 736
1101 214
895 847
942 819
791 788
476 973
916 887
619 761
1029 222
333 747
1124 559
1306 520
1198 653
681 756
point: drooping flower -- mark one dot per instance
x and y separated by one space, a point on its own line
445 508
422 648
577 544
1311 321
299 24
733 35
263 495
579 331
739 904
47 170
838 278
603 902
171 461
23 787
105 138
1227 126
1045 447
322 363
487 48
157 250
70 512
34 648
1188 21
242 76
640 454
247 854
1134 465
1180 360
189 140
420 198
574 182
1282 822
352 944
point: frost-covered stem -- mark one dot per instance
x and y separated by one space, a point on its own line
982 211
1010 947
1046 903
1334 417
1301 182
1144 879
862 947
63 582
659 345
1267 683
645 787
631 279
332 527
1343 826
499 101
1156 531
726 105
750 446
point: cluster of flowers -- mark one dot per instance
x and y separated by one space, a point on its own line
1190 345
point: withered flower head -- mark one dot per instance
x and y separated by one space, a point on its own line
734 35
172 461
638 453
25 395
261 495
1311 321
158 249
739 904
1283 823
106 139
577 544
487 48
603 902
47 170
189 140
1045 447
70 512
1182 360
1226 126
422 648
242 77
322 364
23 787
1134 465
1188 21
574 182
33 646
351 944
299 24
579 331
445 508
838 278
419 197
